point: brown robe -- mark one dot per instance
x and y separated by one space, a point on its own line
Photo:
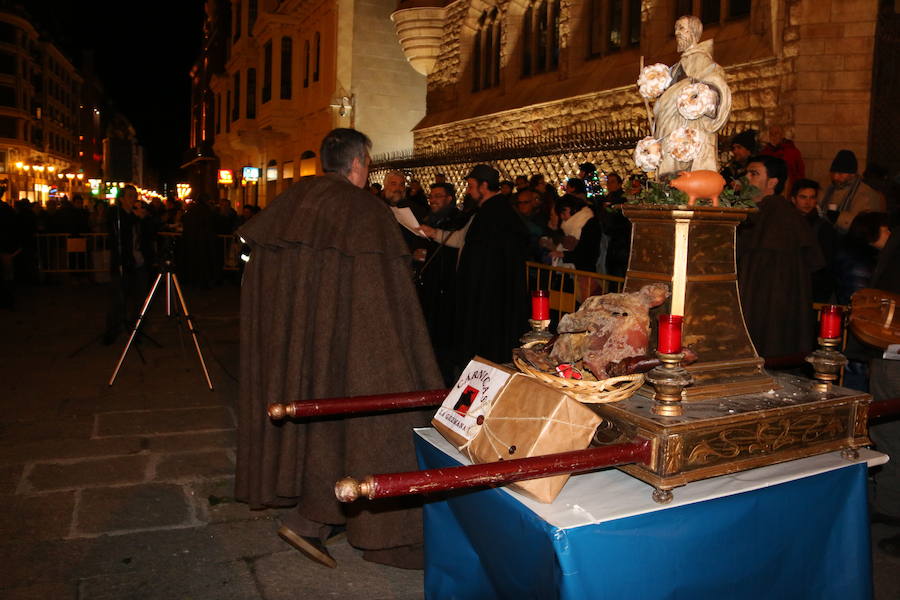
328 309
777 254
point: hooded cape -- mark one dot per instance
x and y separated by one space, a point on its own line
777 254
328 309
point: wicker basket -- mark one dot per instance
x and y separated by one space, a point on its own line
587 392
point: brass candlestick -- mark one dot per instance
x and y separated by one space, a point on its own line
827 363
540 332
669 380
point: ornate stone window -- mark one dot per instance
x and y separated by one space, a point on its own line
287 53
251 93
615 24
218 101
267 72
306 64
228 113
713 11
318 39
540 37
486 51
237 21
236 107
252 13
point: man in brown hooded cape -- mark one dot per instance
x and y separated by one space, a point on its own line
328 309
776 256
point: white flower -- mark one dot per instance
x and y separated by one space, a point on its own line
653 81
648 154
696 100
684 144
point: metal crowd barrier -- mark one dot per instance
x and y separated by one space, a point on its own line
64 253
90 252
569 287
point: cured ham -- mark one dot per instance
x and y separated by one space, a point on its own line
607 329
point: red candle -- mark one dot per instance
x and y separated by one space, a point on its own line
830 325
669 339
540 305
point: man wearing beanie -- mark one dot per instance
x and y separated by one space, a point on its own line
743 146
848 195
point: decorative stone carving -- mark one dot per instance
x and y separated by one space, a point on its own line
420 32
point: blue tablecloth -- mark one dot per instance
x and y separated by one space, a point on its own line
804 538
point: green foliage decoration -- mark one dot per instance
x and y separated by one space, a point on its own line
662 193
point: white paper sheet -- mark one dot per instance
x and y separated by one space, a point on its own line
406 218
611 494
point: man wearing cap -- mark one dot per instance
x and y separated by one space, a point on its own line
848 195
491 292
616 244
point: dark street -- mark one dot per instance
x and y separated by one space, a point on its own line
126 491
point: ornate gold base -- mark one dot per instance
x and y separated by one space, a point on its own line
669 380
540 332
735 433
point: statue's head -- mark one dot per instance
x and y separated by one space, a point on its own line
688 30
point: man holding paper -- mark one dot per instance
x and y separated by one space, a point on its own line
407 213
491 292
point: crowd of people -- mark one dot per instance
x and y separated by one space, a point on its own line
815 243
198 221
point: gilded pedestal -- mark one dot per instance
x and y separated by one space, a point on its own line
723 435
693 250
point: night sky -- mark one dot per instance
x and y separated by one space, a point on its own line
143 53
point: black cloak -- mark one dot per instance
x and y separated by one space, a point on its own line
329 309
492 305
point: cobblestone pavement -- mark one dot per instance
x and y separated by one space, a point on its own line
126 491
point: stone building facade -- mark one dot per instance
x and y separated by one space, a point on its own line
40 98
803 64
294 70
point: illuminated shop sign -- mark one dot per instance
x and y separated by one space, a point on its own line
251 174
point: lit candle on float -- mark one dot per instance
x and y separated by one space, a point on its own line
669 337
540 305
830 324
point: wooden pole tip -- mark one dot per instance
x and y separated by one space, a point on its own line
277 412
347 489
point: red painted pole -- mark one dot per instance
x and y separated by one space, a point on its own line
357 404
490 474
884 408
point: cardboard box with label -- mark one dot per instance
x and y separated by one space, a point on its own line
493 413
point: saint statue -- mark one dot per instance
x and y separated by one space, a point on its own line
694 106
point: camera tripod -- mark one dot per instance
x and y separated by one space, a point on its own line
168 271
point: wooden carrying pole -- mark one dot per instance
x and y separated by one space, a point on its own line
356 404
494 473
425 398
884 408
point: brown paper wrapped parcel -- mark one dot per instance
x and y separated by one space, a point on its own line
493 413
